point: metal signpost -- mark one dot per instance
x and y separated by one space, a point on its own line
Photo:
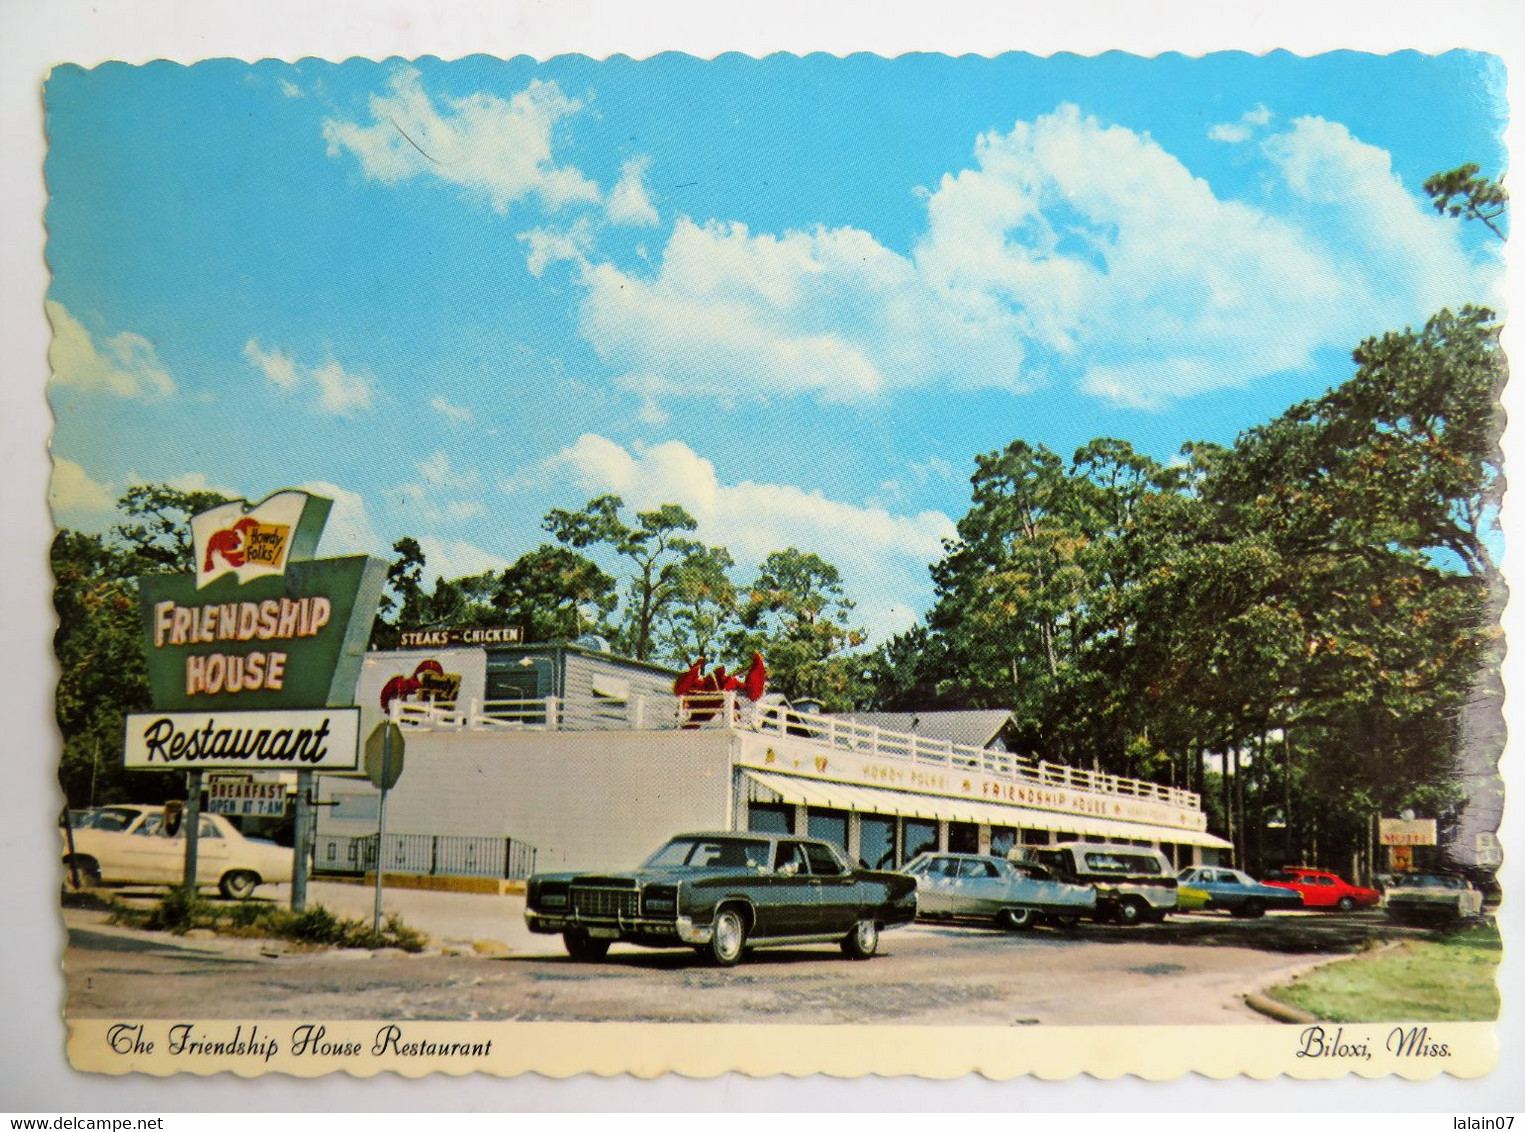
383 766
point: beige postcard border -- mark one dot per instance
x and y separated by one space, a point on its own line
1322 1051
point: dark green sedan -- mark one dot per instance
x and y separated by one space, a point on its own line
721 894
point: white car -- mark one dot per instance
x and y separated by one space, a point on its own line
128 845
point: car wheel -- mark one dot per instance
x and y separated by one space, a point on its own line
862 941
1017 919
1065 923
238 885
1346 904
728 938
1251 910
582 946
83 875
1132 911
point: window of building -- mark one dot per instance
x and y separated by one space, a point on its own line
876 841
770 817
828 825
1002 839
963 837
918 837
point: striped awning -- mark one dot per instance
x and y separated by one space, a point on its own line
765 787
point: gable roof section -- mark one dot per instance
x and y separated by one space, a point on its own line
966 728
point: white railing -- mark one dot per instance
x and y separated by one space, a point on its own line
727 710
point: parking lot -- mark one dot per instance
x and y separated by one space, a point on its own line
483 964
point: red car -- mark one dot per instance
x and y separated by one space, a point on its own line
1324 890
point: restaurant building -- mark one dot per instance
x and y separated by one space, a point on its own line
566 756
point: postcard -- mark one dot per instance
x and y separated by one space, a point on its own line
905 566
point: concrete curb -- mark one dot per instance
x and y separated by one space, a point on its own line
1280 1011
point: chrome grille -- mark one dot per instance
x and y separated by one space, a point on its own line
606 903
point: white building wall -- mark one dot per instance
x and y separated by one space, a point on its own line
604 799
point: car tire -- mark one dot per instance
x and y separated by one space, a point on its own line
1346 904
238 885
1066 922
1132 911
862 941
1017 919
583 947
728 938
83 875
1251 910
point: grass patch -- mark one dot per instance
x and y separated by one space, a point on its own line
180 912
1450 978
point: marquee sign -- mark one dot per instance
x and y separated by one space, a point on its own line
1397 831
327 739
259 625
457 638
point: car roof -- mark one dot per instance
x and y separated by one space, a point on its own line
961 856
744 835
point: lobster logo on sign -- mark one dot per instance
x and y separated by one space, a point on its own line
246 541
429 682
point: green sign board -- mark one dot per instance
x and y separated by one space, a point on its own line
289 640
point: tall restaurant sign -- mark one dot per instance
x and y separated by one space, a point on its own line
260 625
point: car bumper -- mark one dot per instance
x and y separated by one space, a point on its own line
554 923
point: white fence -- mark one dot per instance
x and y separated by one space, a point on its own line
727 710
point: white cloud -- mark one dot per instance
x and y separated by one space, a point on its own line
291 90
348 529
882 556
831 313
555 245
1069 248
197 481
124 364
455 558
1232 132
457 413
1403 257
435 498
494 149
341 393
629 201
72 489
1242 130
277 365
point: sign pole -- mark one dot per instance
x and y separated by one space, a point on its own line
302 839
381 819
192 828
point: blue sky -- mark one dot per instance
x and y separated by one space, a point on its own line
796 295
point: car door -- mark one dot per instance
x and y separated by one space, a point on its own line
786 898
982 889
149 856
835 891
213 851
935 886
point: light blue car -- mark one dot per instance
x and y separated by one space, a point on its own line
1016 896
1232 891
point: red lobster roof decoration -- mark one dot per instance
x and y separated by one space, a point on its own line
697 682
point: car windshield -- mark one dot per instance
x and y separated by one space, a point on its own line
1426 881
711 853
1122 863
111 819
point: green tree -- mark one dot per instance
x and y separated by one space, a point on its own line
797 614
156 535
555 595
703 607
1461 192
655 544
402 601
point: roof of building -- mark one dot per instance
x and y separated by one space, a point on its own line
966 728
